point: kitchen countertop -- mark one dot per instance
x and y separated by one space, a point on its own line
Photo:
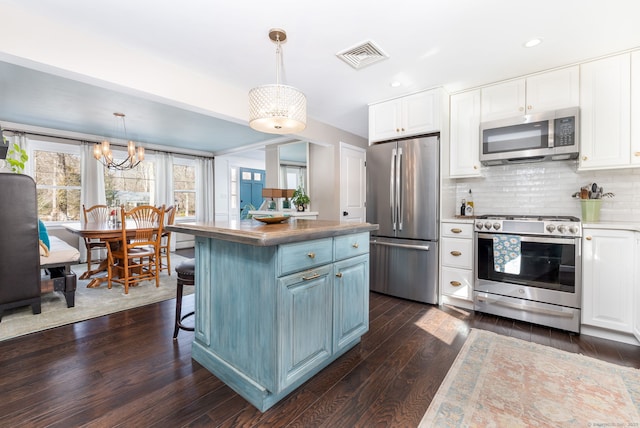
292 213
613 225
253 232
459 219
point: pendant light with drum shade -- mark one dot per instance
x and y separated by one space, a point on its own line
277 108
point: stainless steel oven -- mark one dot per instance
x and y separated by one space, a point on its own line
529 268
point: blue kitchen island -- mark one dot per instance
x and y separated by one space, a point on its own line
276 303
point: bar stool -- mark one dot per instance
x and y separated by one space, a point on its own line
186 276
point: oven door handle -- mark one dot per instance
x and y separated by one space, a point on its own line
526 238
526 308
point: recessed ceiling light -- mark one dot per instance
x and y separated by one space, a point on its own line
394 84
533 42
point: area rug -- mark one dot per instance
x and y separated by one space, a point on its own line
499 381
89 303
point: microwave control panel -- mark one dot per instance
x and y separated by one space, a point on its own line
565 131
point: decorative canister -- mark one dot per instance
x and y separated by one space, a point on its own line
590 210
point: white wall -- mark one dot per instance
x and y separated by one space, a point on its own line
546 188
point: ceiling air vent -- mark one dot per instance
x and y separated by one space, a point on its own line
362 55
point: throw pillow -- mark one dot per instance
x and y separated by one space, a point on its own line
44 251
44 235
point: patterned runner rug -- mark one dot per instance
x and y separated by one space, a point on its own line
500 381
90 303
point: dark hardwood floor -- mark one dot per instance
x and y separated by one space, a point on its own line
125 370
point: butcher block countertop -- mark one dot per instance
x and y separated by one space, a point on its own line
253 232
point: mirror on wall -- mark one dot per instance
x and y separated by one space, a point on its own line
292 165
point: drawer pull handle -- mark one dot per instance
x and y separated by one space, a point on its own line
339 274
355 245
311 255
456 253
588 238
314 275
456 230
455 283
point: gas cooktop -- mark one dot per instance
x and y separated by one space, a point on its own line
529 225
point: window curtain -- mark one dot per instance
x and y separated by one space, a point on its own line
92 190
204 190
164 179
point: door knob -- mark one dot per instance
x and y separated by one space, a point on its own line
345 213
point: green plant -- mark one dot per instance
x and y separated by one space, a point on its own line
17 157
300 198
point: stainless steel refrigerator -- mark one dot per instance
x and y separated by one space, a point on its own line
403 182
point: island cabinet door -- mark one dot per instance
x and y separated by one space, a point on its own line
350 301
304 318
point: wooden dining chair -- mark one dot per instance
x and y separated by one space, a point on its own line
165 245
94 214
135 256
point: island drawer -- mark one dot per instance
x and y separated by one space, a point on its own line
305 255
347 246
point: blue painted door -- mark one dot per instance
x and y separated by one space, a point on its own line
251 184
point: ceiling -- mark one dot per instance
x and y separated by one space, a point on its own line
70 64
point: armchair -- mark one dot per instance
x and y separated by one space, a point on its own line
21 283
19 245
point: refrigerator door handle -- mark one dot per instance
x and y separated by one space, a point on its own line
409 246
392 203
399 189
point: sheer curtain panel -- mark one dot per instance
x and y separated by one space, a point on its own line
204 190
92 185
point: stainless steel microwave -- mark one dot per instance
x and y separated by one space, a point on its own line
553 135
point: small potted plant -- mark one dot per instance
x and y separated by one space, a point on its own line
300 199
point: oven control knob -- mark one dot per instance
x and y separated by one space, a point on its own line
496 226
487 226
562 228
479 225
573 229
551 228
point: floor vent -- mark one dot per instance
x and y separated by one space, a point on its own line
362 55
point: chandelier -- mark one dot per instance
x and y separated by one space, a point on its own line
277 108
102 151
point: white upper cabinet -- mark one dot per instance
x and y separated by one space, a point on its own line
404 117
503 100
605 113
464 135
542 92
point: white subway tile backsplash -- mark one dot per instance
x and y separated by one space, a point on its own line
546 188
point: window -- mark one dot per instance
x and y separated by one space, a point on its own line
233 182
133 187
184 187
56 171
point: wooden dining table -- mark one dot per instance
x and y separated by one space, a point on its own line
104 231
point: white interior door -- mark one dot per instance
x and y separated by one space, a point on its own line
352 184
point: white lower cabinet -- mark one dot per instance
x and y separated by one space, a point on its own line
610 300
456 260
